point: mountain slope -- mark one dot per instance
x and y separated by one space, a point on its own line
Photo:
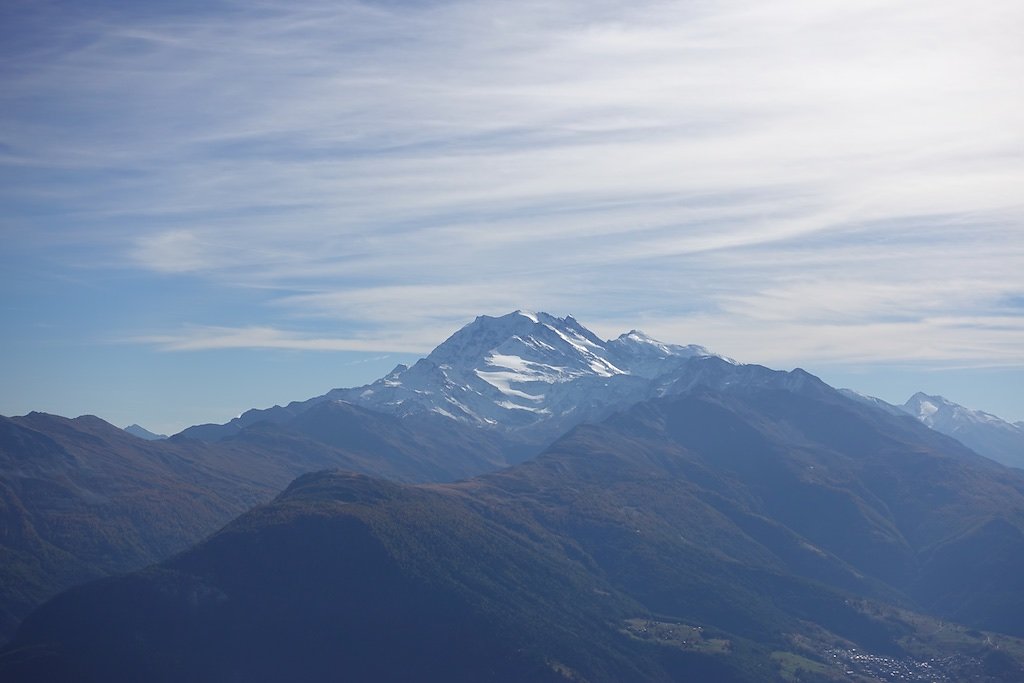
349 577
785 520
228 467
81 499
989 435
985 433
883 499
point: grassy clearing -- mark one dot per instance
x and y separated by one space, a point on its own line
677 635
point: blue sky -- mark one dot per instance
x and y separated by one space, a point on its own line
214 206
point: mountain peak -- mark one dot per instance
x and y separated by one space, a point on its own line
473 342
524 368
532 315
934 409
988 434
143 433
921 397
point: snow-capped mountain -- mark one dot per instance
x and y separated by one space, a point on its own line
530 377
986 433
942 414
983 432
524 368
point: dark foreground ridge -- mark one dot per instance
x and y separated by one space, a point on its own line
81 499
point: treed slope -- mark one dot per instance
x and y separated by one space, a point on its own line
344 577
768 514
80 498
802 483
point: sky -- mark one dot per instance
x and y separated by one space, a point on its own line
209 207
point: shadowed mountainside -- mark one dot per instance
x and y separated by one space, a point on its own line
772 522
80 498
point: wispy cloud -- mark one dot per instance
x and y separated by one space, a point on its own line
202 338
824 177
947 342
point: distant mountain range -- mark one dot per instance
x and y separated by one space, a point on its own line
655 490
987 434
530 377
